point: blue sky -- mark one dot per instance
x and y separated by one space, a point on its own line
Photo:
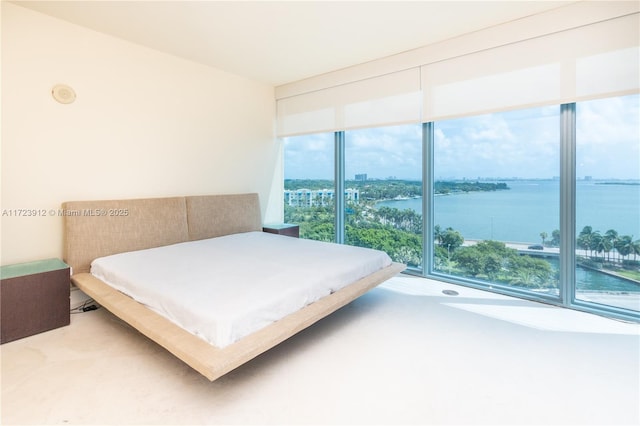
515 144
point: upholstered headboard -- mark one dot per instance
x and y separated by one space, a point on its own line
94 229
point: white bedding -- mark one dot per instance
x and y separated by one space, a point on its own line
222 289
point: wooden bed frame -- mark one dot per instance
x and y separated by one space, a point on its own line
100 228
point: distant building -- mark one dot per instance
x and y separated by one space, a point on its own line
353 194
312 198
361 177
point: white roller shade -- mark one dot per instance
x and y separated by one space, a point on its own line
584 51
597 60
380 101
612 72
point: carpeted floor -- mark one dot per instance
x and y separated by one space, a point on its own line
405 353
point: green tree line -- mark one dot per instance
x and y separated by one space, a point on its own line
399 233
491 261
607 247
389 189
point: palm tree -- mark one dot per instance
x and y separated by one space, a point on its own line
584 238
601 244
544 236
636 249
624 245
523 277
437 234
611 236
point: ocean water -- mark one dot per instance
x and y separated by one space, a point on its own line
529 208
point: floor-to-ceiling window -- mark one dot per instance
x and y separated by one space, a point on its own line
383 191
309 186
496 199
608 202
496 193
529 157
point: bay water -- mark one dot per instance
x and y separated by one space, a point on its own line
521 213
529 208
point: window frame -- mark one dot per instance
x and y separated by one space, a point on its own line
567 259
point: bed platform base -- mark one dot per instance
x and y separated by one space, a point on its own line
135 224
208 360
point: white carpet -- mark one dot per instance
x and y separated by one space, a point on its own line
404 353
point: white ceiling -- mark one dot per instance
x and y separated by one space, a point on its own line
279 42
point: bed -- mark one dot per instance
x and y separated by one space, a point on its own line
125 255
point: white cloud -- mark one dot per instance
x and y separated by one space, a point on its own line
608 138
309 157
523 143
501 145
384 152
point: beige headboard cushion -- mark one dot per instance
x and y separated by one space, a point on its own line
212 216
94 229
100 228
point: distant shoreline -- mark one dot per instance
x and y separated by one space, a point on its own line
618 183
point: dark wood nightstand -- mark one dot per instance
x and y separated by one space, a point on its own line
34 297
283 229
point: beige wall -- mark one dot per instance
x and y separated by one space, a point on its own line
144 124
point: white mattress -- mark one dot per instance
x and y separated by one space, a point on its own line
222 289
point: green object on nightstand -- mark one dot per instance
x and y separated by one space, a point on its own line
30 268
